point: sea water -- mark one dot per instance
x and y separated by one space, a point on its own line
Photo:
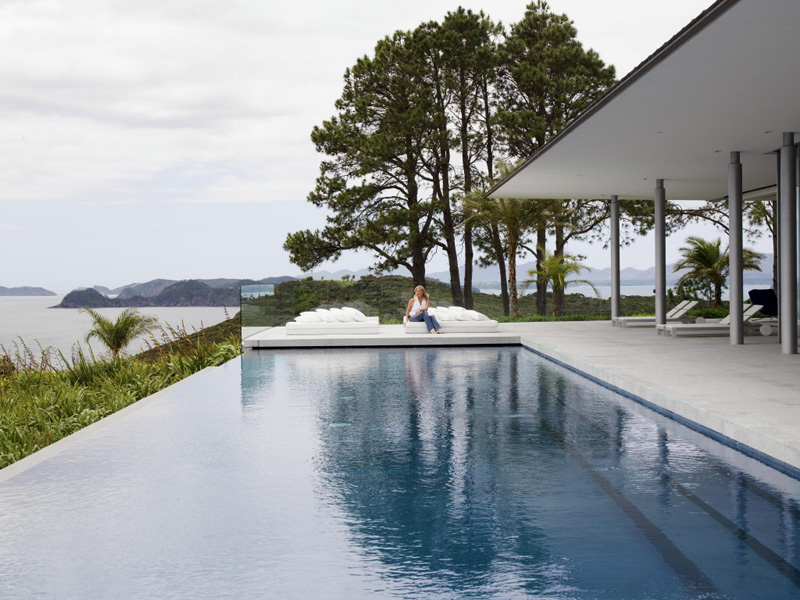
31 320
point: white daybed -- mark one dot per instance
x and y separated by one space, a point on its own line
334 321
455 319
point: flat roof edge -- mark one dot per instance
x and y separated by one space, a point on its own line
694 27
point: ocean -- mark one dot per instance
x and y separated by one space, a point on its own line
31 319
605 290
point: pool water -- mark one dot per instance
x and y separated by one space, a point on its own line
397 474
492 473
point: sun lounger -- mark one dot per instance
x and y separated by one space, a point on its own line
722 327
344 321
455 320
676 315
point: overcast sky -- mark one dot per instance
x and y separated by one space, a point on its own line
145 139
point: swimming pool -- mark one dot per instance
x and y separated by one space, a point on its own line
494 473
398 473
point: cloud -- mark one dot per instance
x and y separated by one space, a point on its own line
204 105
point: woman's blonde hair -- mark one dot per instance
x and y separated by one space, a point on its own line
424 293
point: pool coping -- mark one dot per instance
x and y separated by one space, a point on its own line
656 401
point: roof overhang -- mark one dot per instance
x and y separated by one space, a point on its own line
727 82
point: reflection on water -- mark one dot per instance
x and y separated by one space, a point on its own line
491 473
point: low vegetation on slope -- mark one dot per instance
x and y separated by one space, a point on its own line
47 397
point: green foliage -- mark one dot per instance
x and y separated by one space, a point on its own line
707 267
387 297
43 399
710 312
555 269
546 79
370 182
117 334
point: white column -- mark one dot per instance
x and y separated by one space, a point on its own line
735 246
787 208
614 243
660 215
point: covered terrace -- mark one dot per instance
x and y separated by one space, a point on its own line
711 115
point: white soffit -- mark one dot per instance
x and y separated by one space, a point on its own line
727 83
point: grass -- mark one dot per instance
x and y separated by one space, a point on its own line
45 396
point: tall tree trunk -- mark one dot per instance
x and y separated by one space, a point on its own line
559 298
417 238
418 273
541 283
497 244
466 167
468 259
450 231
513 308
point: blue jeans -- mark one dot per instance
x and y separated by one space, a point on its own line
430 322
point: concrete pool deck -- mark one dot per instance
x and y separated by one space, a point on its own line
749 394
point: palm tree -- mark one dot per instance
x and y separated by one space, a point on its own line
706 262
555 269
508 221
116 335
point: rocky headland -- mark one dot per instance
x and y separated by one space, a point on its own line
25 291
183 293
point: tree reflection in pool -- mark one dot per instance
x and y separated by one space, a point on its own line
479 473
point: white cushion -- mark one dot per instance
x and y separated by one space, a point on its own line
476 316
443 314
342 316
431 312
459 313
327 315
309 317
356 314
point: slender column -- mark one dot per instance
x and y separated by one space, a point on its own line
735 248
788 247
614 243
660 215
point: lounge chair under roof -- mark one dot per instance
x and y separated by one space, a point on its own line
676 315
707 328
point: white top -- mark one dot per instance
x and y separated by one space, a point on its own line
418 306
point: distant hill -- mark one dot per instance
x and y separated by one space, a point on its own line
146 290
153 288
25 291
181 293
86 297
627 275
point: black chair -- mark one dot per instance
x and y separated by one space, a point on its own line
767 299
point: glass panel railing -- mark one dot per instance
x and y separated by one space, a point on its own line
383 297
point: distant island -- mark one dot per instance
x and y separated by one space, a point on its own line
165 292
25 291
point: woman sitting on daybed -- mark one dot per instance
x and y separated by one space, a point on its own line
417 310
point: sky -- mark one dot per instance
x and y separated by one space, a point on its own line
145 139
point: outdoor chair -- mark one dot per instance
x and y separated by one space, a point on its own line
721 327
767 299
676 315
